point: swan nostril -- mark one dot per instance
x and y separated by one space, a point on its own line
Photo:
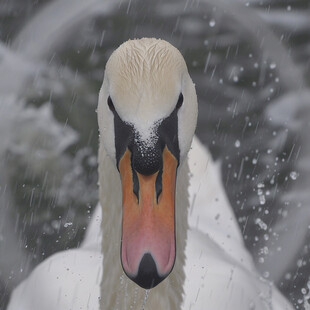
147 276
147 160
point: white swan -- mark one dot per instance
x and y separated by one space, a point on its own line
147 115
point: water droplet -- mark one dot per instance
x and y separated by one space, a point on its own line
261 260
145 298
299 263
212 23
294 175
288 276
273 65
262 199
237 143
261 224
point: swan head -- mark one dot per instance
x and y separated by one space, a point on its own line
147 114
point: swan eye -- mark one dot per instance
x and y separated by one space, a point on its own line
180 102
110 104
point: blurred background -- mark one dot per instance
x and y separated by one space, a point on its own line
250 61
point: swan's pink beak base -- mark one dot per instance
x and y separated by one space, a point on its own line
148 227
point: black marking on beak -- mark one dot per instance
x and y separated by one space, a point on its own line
148 276
147 159
158 184
136 186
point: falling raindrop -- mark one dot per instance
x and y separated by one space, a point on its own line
237 143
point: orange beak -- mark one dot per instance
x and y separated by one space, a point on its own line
148 227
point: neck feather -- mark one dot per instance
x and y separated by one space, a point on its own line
117 291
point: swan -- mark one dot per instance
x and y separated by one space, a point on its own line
163 235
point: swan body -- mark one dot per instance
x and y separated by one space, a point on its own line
212 268
219 272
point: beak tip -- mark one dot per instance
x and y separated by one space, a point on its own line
147 276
